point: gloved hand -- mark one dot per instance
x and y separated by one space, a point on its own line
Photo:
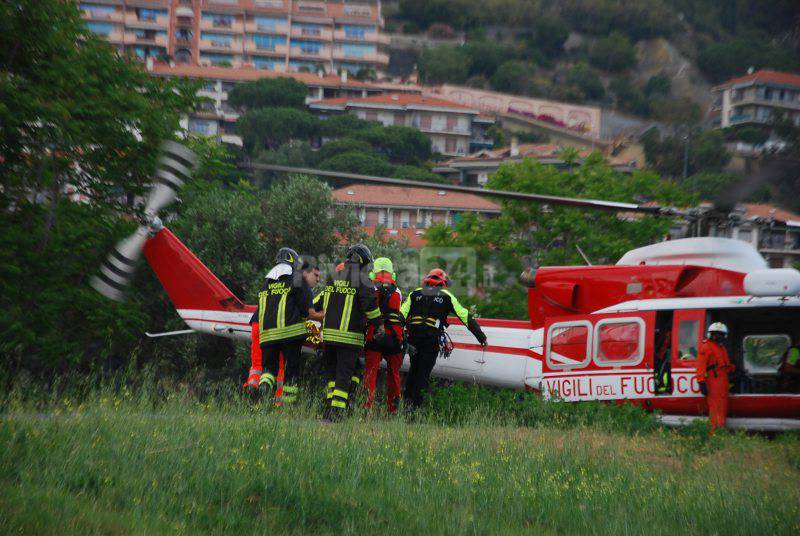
482 341
379 331
703 388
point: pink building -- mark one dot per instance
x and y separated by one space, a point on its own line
275 35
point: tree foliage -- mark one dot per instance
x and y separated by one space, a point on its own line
613 53
443 64
269 128
268 93
513 76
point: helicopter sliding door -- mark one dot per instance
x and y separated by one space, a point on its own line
599 356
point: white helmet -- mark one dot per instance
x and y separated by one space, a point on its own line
718 327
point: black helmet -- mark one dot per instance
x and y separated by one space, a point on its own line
289 256
359 253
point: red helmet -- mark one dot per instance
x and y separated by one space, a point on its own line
437 277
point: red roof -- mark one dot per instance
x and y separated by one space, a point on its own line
398 196
397 99
767 76
246 74
758 210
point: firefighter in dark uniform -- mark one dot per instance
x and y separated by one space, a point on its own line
425 311
282 307
350 304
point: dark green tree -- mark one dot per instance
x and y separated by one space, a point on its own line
513 76
613 53
444 64
587 80
401 145
268 93
269 128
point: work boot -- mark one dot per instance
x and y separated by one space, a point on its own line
266 384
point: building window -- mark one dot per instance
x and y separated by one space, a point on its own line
308 47
311 30
405 219
100 28
268 42
201 126
221 60
399 119
219 20
357 51
745 235
450 145
218 40
209 85
452 122
425 121
149 15
183 56
99 11
268 23
357 32
358 10
270 3
371 115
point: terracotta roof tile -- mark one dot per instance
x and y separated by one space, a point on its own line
368 194
765 75
759 210
246 74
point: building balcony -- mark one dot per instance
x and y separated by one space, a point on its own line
220 46
323 53
104 16
367 37
251 47
220 26
155 23
117 37
277 29
157 40
758 99
319 34
377 57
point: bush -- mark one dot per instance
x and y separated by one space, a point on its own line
444 64
613 53
583 77
441 30
513 76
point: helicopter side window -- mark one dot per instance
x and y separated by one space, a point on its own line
763 354
687 339
568 345
619 341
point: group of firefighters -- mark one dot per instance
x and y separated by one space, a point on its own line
361 310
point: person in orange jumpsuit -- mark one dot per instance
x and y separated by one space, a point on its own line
713 367
390 345
250 387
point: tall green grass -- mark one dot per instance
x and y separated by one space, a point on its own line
146 462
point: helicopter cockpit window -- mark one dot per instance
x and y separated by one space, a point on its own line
568 345
763 353
687 339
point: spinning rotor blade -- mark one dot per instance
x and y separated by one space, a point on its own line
175 166
501 194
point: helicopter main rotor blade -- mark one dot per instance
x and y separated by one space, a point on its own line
501 194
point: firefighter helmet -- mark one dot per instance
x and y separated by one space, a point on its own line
383 269
289 256
437 277
718 327
359 253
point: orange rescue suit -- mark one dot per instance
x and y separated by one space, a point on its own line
713 367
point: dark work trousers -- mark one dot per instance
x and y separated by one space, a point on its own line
418 379
346 358
270 357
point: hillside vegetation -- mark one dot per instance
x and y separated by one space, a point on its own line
591 50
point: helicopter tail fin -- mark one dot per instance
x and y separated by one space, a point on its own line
189 283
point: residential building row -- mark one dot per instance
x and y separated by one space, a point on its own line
454 129
273 35
755 98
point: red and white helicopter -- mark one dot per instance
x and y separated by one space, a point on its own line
623 332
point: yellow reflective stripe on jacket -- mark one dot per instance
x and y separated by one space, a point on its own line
262 307
318 297
344 323
375 313
344 337
793 357
277 334
461 312
281 320
406 307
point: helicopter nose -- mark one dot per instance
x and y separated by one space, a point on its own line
528 277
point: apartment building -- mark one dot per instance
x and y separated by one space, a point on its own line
273 35
454 129
405 213
475 169
217 118
756 97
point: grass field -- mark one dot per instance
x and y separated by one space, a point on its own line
125 464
